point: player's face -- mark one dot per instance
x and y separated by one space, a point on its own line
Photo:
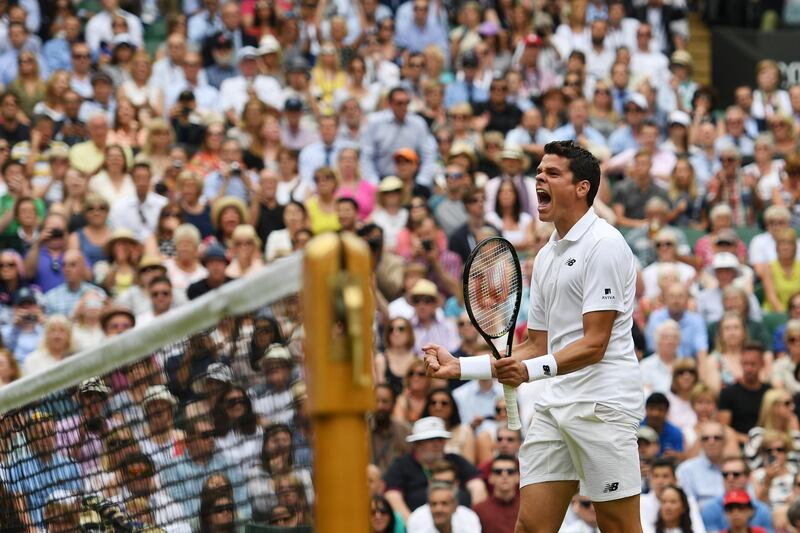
556 192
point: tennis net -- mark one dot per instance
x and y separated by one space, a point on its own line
192 422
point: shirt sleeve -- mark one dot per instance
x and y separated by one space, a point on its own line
605 271
394 475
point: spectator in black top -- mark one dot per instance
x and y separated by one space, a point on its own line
215 262
266 214
498 114
406 481
11 129
740 403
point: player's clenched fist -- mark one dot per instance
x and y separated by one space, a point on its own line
440 363
510 371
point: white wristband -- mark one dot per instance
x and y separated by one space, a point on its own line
541 367
476 367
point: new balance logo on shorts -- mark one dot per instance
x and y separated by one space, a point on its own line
611 487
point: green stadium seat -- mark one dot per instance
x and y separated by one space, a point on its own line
746 233
692 235
771 321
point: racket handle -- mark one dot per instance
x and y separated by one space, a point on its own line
512 412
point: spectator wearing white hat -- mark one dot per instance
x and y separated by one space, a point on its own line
406 481
235 91
163 442
709 302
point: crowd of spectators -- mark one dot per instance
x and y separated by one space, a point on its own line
151 152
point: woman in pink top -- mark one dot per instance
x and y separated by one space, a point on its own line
352 186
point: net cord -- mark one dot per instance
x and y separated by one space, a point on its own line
278 280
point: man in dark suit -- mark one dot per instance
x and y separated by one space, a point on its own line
232 29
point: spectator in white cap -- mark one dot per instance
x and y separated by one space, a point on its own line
276 401
709 302
81 435
635 108
269 51
406 481
163 442
235 91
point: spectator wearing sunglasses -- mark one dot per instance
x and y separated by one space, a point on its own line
701 476
498 513
201 459
736 477
427 322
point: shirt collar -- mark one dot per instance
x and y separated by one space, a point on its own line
577 231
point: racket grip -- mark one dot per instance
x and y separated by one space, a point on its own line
512 412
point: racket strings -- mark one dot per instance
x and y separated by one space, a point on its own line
494 282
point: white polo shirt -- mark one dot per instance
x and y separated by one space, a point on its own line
590 269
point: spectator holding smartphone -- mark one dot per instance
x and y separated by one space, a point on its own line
772 483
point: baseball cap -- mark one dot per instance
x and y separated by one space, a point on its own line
680 117
739 497
390 183
297 64
214 251
101 76
424 287
647 433
247 52
276 352
532 40
219 372
409 154
681 57
725 260
638 100
158 392
222 41
293 104
726 236
469 60
25 296
430 427
122 38
268 45
93 384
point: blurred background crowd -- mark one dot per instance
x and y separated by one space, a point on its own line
153 151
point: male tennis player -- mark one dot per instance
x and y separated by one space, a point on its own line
579 342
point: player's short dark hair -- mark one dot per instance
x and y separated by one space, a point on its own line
582 164
663 462
657 399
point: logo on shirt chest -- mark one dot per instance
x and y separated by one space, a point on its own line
607 295
570 261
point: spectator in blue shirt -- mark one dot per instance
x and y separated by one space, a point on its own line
670 437
735 476
467 89
694 333
701 476
425 24
57 52
33 475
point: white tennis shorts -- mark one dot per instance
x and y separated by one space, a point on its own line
589 442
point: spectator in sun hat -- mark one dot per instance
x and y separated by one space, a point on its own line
162 441
406 481
427 323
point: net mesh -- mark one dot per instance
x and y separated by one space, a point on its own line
493 285
205 433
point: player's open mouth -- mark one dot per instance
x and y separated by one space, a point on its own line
544 198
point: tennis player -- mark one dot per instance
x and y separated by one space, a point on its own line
583 433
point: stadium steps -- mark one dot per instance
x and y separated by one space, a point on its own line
700 47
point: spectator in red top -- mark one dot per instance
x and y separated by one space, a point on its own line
498 513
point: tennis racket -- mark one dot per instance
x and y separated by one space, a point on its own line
492 295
